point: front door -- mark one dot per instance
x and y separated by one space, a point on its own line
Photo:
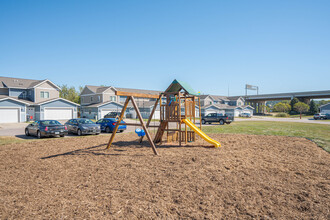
30 112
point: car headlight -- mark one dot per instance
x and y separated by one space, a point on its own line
84 127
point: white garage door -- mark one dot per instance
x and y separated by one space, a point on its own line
325 112
104 112
9 115
58 113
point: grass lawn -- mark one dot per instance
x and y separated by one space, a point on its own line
319 133
10 140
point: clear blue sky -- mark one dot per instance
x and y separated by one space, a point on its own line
281 46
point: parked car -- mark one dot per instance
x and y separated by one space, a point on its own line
319 116
245 114
216 117
112 115
109 124
46 128
81 126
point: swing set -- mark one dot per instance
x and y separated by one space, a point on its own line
177 116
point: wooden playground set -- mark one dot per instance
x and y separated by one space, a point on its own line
177 116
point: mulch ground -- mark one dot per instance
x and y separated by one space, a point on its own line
263 177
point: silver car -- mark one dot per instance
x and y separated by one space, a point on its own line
81 126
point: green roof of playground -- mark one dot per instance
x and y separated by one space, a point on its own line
177 86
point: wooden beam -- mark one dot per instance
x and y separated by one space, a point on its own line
143 126
140 95
117 124
131 124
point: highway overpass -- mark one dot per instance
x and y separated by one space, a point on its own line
259 101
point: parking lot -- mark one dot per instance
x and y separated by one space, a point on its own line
17 129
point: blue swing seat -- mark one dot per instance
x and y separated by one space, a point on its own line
140 132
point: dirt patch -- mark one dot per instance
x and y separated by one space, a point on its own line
249 177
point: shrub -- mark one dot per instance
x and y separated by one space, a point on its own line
282 115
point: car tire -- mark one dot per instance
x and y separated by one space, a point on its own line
121 131
62 135
79 132
107 130
203 122
39 136
97 133
27 133
221 122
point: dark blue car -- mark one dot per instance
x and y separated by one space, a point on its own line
109 124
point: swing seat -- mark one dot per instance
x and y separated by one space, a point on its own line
140 132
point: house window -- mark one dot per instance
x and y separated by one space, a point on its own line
82 99
210 103
113 98
99 98
91 98
44 95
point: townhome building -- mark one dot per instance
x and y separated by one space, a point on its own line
97 101
27 99
231 106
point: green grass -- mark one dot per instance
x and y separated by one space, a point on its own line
4 140
319 133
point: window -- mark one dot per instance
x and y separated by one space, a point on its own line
113 98
44 95
91 98
99 98
82 99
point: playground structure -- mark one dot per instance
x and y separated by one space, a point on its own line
177 116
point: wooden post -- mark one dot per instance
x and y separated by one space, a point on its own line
118 122
150 117
143 126
194 115
179 112
200 112
185 112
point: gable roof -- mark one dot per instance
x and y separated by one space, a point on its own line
10 82
51 100
234 98
100 104
4 97
177 86
97 89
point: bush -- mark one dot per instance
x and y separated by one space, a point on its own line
284 115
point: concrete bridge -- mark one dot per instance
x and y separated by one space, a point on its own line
259 101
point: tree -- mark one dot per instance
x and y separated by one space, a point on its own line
70 93
293 102
281 107
313 108
300 107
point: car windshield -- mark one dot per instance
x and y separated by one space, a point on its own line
49 122
85 121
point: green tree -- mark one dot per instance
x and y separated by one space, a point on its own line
300 107
281 107
293 102
313 108
70 93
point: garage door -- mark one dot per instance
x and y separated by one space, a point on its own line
325 112
104 112
58 113
9 115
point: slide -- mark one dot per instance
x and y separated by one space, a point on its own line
201 133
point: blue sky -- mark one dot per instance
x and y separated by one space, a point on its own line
280 46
